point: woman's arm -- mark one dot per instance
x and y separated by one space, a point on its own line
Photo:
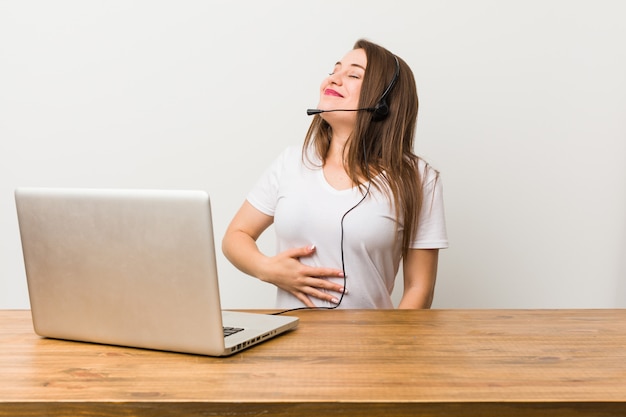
239 242
420 274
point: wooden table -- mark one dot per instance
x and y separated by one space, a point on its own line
391 363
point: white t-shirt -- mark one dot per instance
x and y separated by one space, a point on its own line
308 211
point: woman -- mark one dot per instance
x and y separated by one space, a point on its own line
353 202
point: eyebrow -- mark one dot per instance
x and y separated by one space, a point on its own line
352 65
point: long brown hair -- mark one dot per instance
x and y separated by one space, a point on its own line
382 151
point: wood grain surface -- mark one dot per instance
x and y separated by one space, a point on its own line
343 362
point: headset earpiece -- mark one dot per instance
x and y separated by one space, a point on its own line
381 109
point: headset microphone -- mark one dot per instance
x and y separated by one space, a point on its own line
311 112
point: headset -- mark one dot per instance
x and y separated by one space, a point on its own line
380 110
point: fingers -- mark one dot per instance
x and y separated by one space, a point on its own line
312 281
306 300
319 288
313 292
314 271
300 252
324 284
323 290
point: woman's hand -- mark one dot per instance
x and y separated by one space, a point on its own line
287 272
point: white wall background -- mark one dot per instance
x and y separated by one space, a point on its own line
522 108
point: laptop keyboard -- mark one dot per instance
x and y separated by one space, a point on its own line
231 330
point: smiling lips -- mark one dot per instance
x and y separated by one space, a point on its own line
331 92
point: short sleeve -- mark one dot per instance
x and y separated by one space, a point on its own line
264 194
431 230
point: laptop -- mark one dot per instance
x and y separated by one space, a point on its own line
132 268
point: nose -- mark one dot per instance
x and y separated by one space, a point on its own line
335 78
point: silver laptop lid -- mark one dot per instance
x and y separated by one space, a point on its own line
125 267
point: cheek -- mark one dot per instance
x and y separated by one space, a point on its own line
322 97
355 90
323 86
355 94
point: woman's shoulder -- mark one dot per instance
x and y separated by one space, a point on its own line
290 156
427 171
292 152
290 160
296 156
